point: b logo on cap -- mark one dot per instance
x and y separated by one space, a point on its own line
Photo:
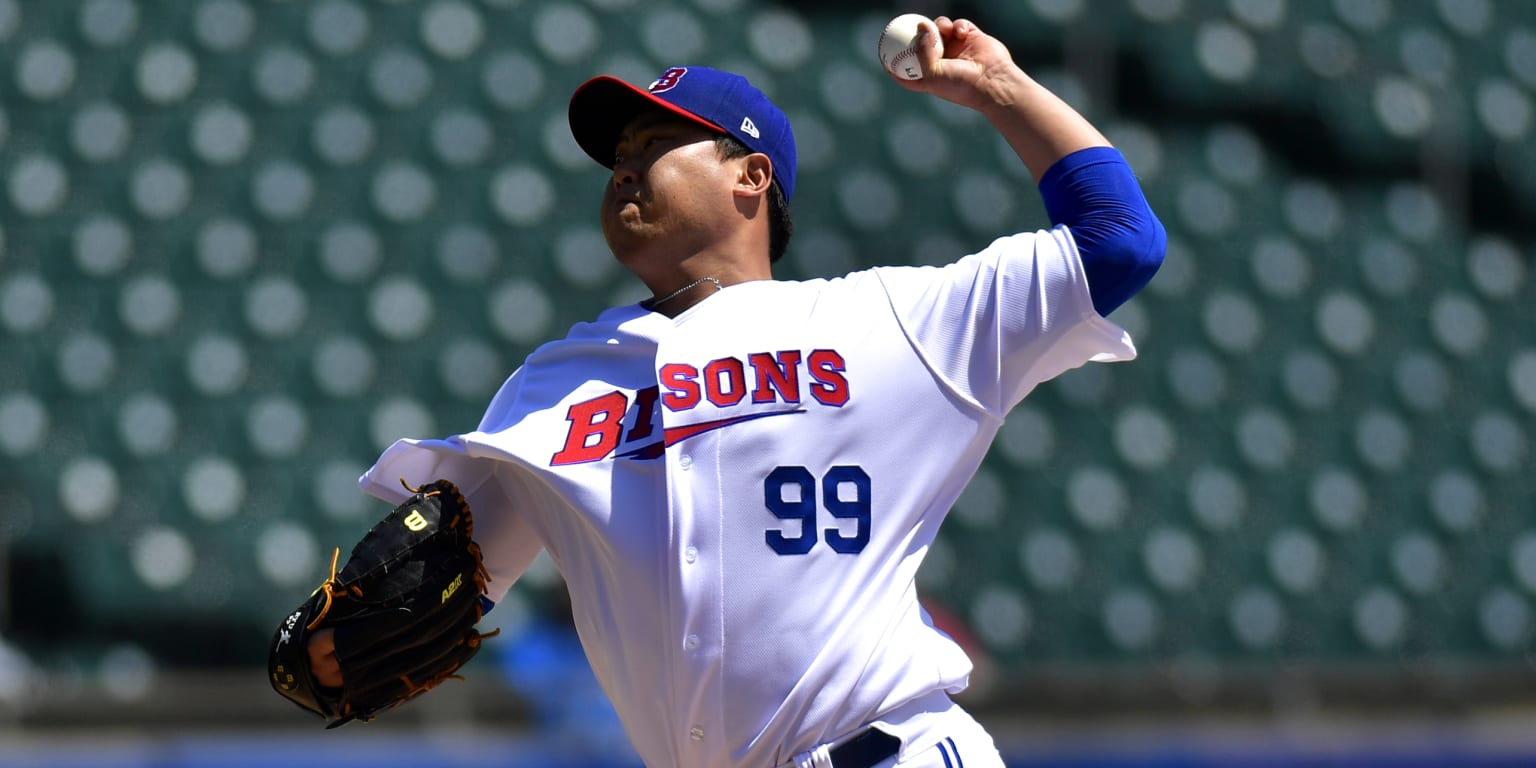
668 80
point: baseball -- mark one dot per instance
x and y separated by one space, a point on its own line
898 46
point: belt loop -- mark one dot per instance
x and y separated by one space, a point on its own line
821 757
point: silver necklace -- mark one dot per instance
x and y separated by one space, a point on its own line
684 289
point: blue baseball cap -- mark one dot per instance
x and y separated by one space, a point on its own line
720 101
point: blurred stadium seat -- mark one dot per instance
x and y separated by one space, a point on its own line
226 231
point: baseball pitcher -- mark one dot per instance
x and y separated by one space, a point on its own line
738 478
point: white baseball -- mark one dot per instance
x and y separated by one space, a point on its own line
898 46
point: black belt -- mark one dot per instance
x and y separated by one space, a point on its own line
865 750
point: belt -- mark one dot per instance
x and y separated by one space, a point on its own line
870 748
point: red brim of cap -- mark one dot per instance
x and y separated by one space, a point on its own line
601 108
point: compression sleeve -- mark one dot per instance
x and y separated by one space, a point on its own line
1120 241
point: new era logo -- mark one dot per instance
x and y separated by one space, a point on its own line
750 128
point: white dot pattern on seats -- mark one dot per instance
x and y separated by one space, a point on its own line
166 73
1145 438
461 137
1098 498
287 554
1131 618
403 192
1173 559
86 361
1521 377
89 489
213 488
1225 51
1257 618
275 306
522 195
1027 438
343 366
342 135
400 308
1049 558
468 253
1418 563
512 80
226 248
1457 501
565 33
984 502
868 199
1381 618
338 27
223 25
399 79
1340 500
1001 617
1217 498
1383 440
147 425
24 424
452 29
1423 381
399 417
1499 444
100 131
26 303
276 427
1345 322
1196 378
1232 322
221 134
350 252
217 364
160 189
519 310
38 184
1265 438
1504 109
149 305
45 70
335 488
1333 410
108 23
1505 619
675 35
1296 561
1495 267
163 557
1402 107
471 369
283 190
1327 51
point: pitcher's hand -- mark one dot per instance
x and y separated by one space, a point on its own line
971 68
323 664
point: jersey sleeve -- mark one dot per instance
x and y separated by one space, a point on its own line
508 543
996 324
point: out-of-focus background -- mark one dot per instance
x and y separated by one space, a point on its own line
246 244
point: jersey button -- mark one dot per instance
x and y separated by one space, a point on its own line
691 642
691 554
696 733
685 461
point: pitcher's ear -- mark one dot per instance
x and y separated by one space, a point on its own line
755 175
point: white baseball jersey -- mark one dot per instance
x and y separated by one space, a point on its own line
739 498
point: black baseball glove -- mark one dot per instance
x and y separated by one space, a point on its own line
404 610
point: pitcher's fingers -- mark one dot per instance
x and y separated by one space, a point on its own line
323 664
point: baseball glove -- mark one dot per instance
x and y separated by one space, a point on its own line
403 609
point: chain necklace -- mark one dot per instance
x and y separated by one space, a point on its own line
706 279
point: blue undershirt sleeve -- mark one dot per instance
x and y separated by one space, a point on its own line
1121 242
